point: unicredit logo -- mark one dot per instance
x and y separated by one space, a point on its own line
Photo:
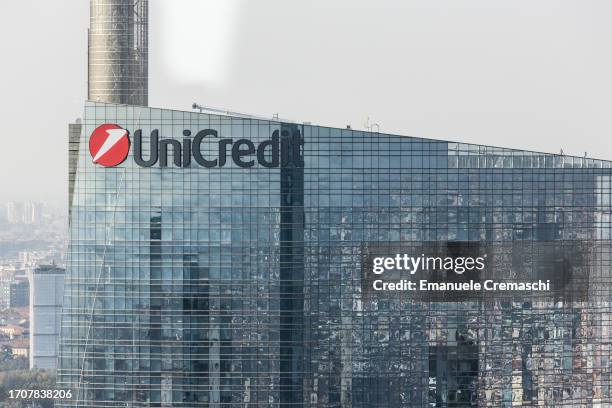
109 145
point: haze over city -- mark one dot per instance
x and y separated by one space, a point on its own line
353 212
521 74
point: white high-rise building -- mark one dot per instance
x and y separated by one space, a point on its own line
14 212
46 296
32 213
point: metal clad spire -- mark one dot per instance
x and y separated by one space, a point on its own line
118 51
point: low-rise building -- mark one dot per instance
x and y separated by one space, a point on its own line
20 347
12 331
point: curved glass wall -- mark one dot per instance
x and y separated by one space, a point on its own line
232 286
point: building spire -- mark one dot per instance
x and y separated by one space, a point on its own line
118 51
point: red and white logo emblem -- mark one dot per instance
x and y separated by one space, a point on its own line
109 145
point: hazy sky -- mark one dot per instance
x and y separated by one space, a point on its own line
533 74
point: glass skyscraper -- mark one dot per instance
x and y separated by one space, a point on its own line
196 286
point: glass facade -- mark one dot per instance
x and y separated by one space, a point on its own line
231 286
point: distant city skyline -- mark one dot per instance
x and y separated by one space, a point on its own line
517 74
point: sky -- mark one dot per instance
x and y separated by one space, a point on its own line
534 75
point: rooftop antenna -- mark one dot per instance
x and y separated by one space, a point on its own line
371 126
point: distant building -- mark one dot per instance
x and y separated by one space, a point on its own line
12 331
25 258
20 347
32 212
14 212
5 292
24 212
19 293
14 293
46 295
